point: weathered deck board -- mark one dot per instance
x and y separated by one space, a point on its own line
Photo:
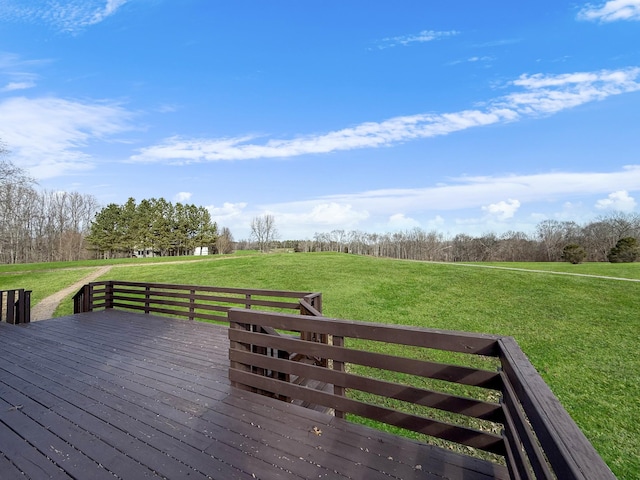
114 394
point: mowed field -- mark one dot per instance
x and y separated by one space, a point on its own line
581 332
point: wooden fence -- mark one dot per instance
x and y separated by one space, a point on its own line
15 306
517 417
187 301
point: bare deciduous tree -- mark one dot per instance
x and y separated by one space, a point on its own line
40 226
263 231
224 243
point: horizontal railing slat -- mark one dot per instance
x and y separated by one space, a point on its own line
206 288
439 371
455 433
417 396
461 342
152 303
168 311
156 306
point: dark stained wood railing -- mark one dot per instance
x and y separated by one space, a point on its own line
518 418
15 306
485 395
187 301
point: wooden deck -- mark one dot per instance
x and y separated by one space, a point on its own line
113 394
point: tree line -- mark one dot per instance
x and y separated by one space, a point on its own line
152 227
547 243
47 226
40 226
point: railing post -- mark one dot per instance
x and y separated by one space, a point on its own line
258 350
339 367
22 306
316 302
19 306
11 310
307 307
247 300
27 306
108 295
147 299
87 301
233 345
192 304
284 377
77 300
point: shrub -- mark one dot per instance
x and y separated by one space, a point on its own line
573 253
625 251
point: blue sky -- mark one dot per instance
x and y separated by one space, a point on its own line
458 116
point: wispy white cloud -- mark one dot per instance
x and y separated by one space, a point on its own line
503 210
400 221
335 213
480 59
611 11
48 135
422 37
66 15
17 73
182 196
538 95
475 59
109 9
547 94
13 86
498 43
619 201
229 213
167 108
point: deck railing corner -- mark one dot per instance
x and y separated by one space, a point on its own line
15 306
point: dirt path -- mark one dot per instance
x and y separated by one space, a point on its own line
47 306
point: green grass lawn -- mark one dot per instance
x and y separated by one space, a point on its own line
581 333
42 283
